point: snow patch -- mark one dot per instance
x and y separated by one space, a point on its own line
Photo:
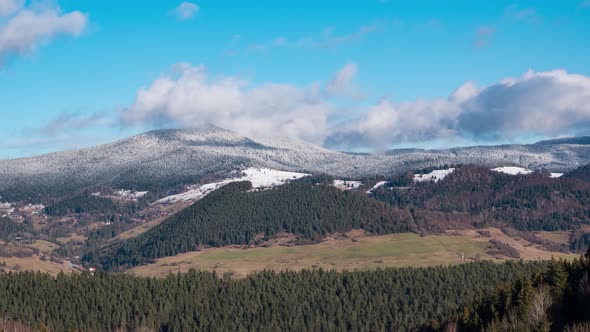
122 194
259 177
512 170
347 185
378 185
436 175
130 193
5 205
33 207
6 209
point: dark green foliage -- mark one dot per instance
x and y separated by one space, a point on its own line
81 203
564 288
580 242
10 229
388 299
531 202
230 215
581 173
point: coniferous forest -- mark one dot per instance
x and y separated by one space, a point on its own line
524 202
403 299
230 215
477 296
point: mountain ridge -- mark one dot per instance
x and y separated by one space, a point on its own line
173 156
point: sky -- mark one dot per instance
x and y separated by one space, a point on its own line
364 75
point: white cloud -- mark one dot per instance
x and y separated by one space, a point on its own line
186 10
388 123
342 84
23 32
189 96
549 103
8 7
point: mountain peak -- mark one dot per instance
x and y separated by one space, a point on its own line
202 134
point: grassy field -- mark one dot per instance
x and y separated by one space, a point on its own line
366 253
555 237
43 246
138 230
71 237
34 263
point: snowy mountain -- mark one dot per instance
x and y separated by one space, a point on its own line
172 156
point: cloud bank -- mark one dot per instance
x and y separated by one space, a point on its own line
8 7
187 95
25 28
548 104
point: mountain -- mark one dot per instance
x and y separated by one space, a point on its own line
235 215
582 173
583 140
172 156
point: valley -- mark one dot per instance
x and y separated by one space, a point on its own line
382 166
280 212
350 251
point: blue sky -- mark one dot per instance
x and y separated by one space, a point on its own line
352 75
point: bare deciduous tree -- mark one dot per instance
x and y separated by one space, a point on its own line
541 301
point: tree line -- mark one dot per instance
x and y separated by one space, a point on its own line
392 299
524 202
232 215
556 299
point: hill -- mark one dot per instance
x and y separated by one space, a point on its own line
164 158
526 202
231 215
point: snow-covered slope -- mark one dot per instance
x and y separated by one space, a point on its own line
513 170
377 185
436 175
346 184
171 156
259 177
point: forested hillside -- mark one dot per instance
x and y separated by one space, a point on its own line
554 300
231 215
388 299
169 157
524 202
81 203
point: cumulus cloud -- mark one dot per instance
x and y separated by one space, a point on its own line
185 11
27 28
551 103
387 123
537 103
8 7
187 95
545 103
